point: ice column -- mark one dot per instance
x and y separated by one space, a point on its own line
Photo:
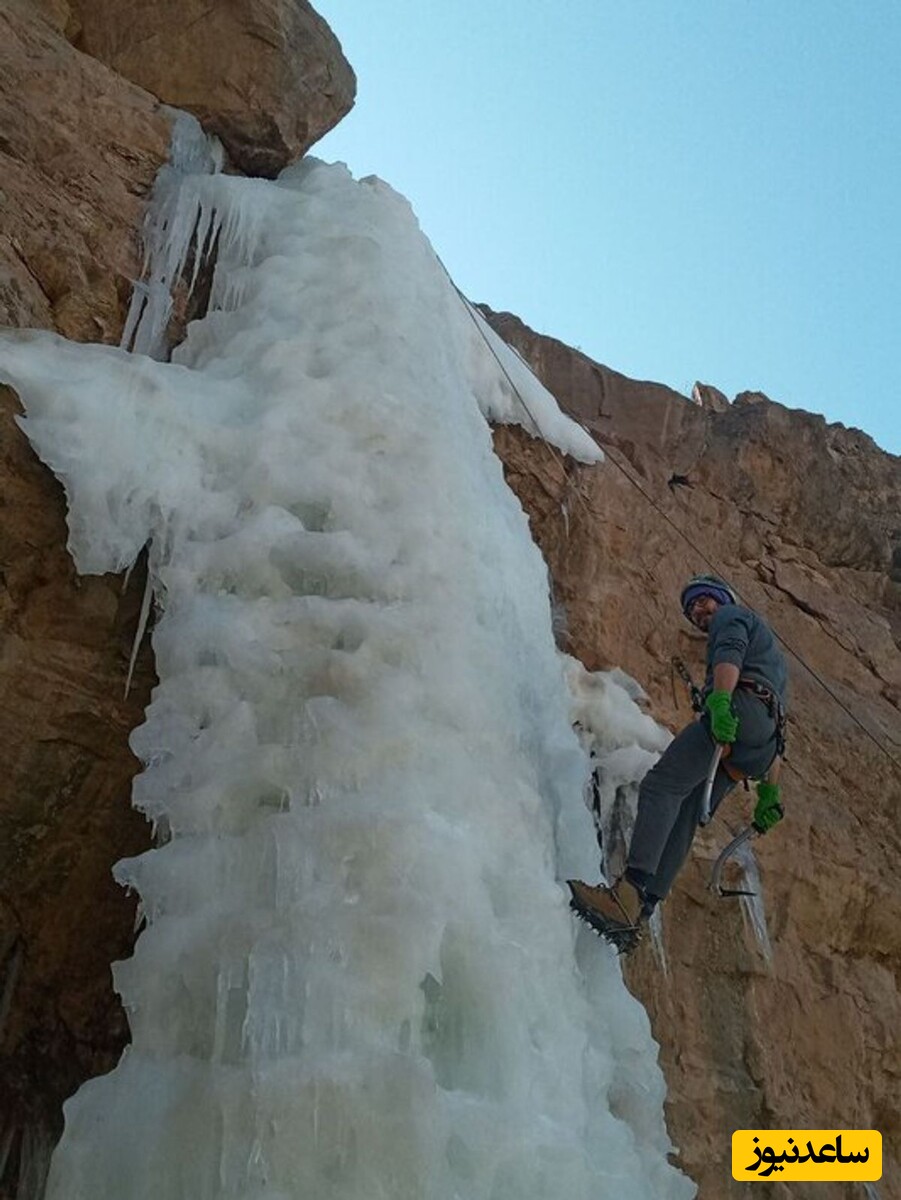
359 976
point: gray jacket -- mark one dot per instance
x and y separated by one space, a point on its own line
737 635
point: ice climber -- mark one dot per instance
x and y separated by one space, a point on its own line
744 711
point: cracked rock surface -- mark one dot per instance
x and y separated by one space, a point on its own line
79 149
268 77
804 518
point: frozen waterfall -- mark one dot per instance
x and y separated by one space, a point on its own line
359 978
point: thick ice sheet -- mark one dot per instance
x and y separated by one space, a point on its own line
359 976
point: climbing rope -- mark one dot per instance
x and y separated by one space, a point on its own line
650 499
776 633
555 452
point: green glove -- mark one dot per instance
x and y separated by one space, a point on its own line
723 721
768 810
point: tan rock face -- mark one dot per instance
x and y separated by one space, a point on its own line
709 397
65 815
267 76
805 519
79 149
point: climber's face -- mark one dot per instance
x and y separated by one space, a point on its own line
701 612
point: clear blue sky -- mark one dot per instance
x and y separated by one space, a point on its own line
684 189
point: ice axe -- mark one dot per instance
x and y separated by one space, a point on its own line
737 842
708 785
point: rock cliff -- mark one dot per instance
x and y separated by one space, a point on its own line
266 76
804 518
80 145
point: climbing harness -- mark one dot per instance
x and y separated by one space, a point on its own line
728 851
756 687
774 705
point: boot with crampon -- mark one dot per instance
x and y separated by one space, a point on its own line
616 912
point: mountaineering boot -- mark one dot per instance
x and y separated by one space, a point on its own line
614 912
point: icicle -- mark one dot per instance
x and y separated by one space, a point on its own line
752 906
204 237
142 626
238 226
135 312
172 225
655 925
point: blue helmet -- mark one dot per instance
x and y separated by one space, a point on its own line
706 585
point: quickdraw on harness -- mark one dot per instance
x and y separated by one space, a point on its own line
694 692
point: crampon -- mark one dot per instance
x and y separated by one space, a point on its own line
624 939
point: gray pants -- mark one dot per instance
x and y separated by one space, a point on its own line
669 800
